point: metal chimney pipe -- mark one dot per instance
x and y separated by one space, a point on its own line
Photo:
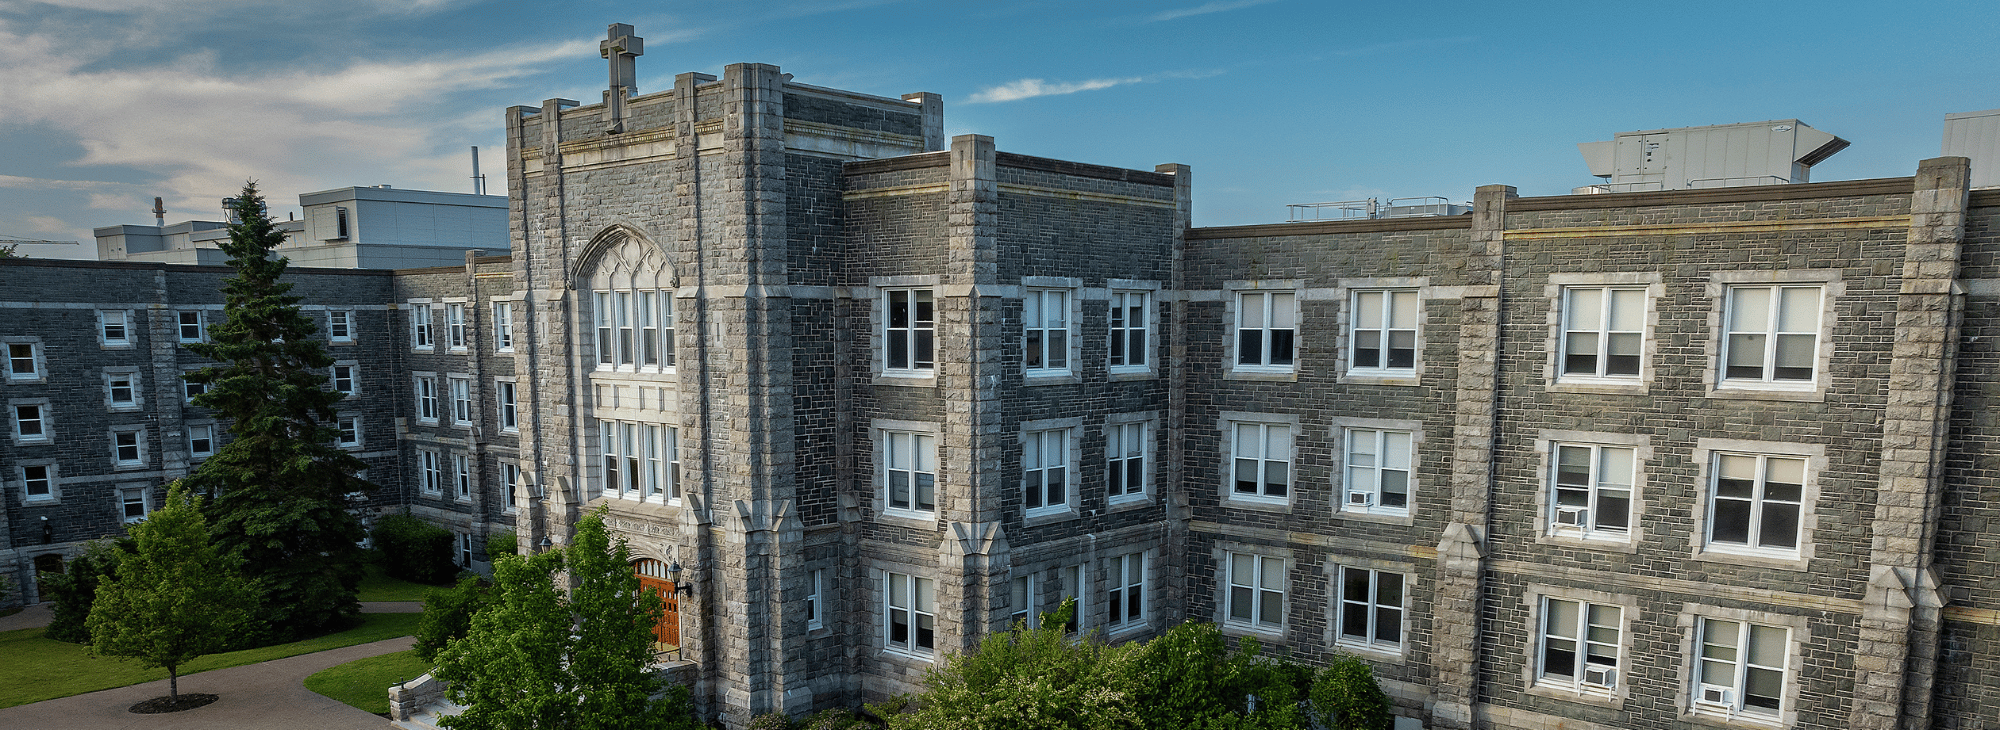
159 213
478 180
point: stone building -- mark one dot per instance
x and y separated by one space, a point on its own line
1696 458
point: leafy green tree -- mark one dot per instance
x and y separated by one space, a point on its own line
1345 696
1030 678
75 589
541 657
174 596
448 615
279 490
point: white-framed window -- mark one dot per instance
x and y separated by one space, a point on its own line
1045 331
464 549
134 503
908 615
1383 333
1125 596
1266 329
1072 590
909 473
1261 458
38 482
1371 608
344 379
1045 471
656 329
510 409
1579 645
422 336
201 440
634 329
31 423
427 399
192 327
432 471
1771 335
24 361
114 327
454 325
1021 597
1125 449
1603 331
503 326
1591 486
1756 503
190 389
816 613
1256 591
340 325
510 477
461 399
121 390
1128 340
909 332
350 431
461 475
640 461
128 447
1741 669
1379 467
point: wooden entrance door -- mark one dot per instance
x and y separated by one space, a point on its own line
653 579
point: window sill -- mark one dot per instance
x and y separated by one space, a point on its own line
1259 504
1123 375
1373 651
123 408
906 381
1598 387
116 346
1784 561
1777 393
904 657
33 502
1049 517
1607 544
1722 718
1381 377
1051 378
1576 693
1126 502
1380 518
1128 628
424 350
33 442
27 381
1287 375
1230 628
913 520
128 467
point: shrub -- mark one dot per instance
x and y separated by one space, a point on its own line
415 550
448 614
75 589
501 543
771 721
1345 696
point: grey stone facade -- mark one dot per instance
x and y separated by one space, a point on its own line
786 224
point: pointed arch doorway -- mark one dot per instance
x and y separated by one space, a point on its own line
653 579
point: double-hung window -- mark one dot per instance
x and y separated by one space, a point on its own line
1045 470
510 479
1378 471
909 332
24 361
340 325
190 389
1603 331
510 409
350 431
1741 669
908 615
427 398
1756 503
1128 340
114 327
910 471
634 329
1371 608
1262 455
121 391
815 613
192 328
461 475
461 400
1266 325
1256 591
132 503
38 482
1384 334
128 448
656 329
1773 335
1045 321
503 326
1592 489
641 461
343 379
454 325
1125 601
421 335
30 423
1125 447
1022 600
201 440
1579 647
433 471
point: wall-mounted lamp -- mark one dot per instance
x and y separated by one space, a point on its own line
48 531
674 576
547 543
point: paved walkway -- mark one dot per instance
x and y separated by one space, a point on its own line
32 617
253 697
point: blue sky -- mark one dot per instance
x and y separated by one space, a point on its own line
105 104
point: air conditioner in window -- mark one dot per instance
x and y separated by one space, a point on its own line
1572 516
1360 499
1717 695
1606 677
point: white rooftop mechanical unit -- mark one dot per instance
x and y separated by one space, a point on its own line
1777 152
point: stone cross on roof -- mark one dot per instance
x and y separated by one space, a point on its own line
620 47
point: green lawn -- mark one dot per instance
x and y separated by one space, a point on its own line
364 683
378 586
33 668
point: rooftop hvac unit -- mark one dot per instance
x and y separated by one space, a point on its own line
1777 152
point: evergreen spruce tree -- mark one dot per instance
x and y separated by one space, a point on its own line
278 491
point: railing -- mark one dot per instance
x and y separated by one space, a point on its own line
1737 182
1372 208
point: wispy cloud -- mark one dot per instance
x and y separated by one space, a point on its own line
1031 88
1394 46
1219 6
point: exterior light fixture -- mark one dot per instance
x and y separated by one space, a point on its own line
674 576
